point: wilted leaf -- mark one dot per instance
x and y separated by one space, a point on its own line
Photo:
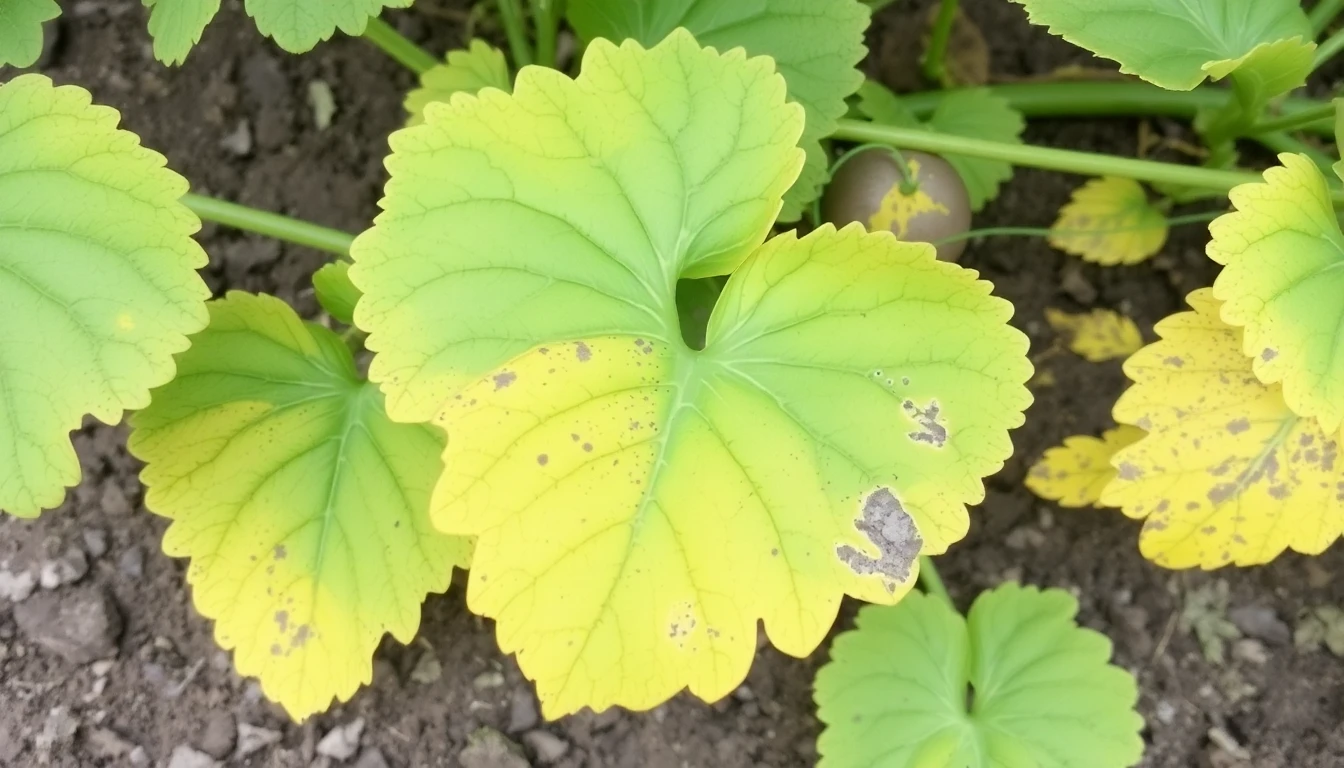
1099 335
1110 221
973 113
1075 473
641 506
21 30
304 510
1283 285
98 286
1227 472
1019 684
480 66
816 45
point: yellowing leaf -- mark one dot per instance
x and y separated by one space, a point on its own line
641 506
303 508
1109 221
1099 335
480 66
1283 285
1075 473
1227 472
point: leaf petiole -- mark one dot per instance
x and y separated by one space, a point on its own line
934 67
1323 13
511 14
1174 221
1296 120
547 14
932 582
270 224
1328 49
396 45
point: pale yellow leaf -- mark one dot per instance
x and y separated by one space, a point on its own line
1109 221
1075 473
1098 335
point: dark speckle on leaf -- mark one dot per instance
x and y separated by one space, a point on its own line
582 352
1269 354
504 379
1237 426
542 459
588 447
280 552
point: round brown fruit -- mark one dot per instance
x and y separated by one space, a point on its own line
867 189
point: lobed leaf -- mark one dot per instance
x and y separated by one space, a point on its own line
1266 44
1075 473
641 506
1283 276
1109 221
973 113
466 71
816 45
21 30
300 504
1099 335
337 295
98 283
176 26
1019 683
1227 472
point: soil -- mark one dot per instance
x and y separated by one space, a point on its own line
169 685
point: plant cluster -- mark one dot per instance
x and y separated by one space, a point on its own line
673 347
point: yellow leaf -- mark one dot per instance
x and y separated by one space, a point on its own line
1098 335
1075 473
1109 221
1227 473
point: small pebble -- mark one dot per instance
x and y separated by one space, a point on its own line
548 747
186 757
1260 622
132 562
102 668
239 142
106 744
80 625
68 569
371 757
488 748
523 715
1251 651
252 739
17 587
138 757
342 742
427 668
1224 741
114 501
95 542
488 680
219 736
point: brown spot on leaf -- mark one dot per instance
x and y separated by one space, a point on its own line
1174 361
282 621
542 459
1128 471
280 552
582 352
301 637
891 529
504 379
588 447
1269 354
1237 426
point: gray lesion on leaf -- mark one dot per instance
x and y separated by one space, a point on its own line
932 431
891 529
504 379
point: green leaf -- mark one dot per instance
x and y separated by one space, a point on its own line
337 295
301 505
480 66
973 113
1176 44
1041 692
21 30
1283 276
98 287
177 25
1338 167
641 506
816 45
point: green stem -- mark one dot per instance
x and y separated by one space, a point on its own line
1068 161
877 5
1323 13
932 582
934 58
547 14
1093 99
1328 49
1174 221
1297 120
270 224
1277 142
511 13
394 44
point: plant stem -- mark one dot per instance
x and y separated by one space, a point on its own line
511 13
934 58
1296 120
270 224
394 44
971 234
1093 99
1327 49
1068 161
547 14
1323 13
932 582
1277 141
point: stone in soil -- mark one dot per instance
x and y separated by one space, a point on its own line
1262 623
371 757
186 757
252 739
17 587
523 715
488 748
106 744
219 736
548 747
342 742
80 625
67 569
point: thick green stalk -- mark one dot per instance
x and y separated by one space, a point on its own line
511 13
932 582
394 44
270 224
547 14
935 56
1327 50
1323 13
1296 120
1277 141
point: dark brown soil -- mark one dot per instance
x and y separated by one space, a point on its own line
1286 708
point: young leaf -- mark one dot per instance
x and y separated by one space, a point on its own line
176 25
98 287
1176 44
1041 691
1283 254
1109 221
480 66
21 30
301 506
974 113
641 506
816 45
337 295
1075 473
1227 472
1099 335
